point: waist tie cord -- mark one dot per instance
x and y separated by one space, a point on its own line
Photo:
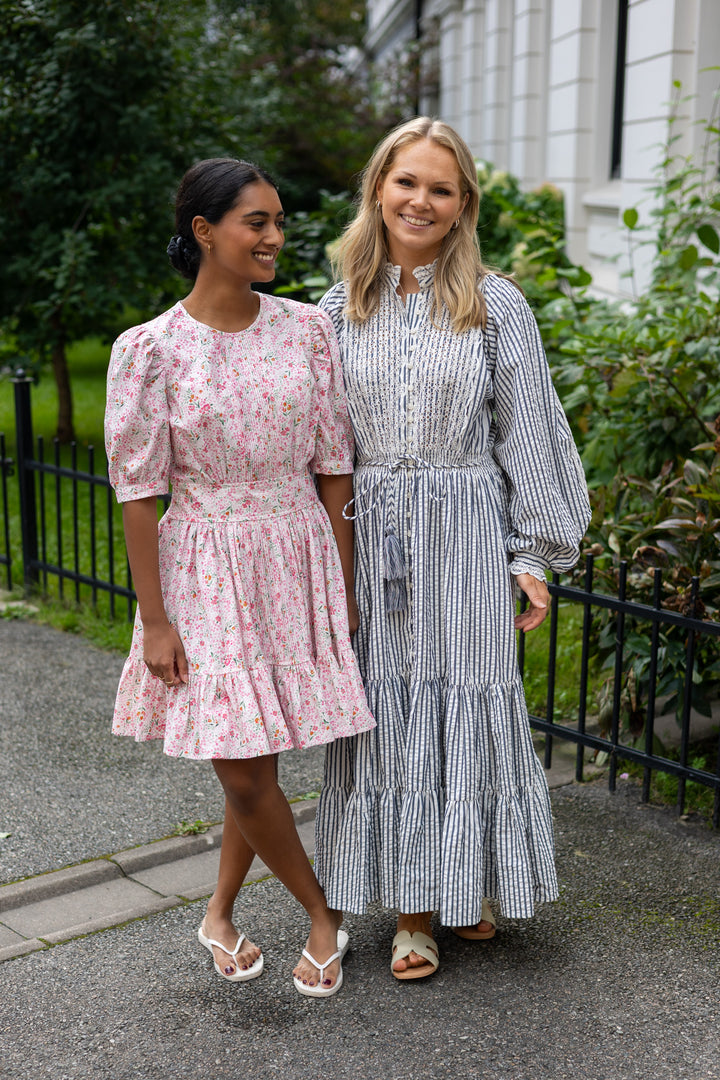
391 553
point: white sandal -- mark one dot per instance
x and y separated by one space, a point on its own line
324 991
238 975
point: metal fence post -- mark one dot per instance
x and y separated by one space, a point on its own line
26 479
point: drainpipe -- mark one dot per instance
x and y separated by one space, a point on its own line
418 36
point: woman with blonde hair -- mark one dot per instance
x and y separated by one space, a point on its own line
467 481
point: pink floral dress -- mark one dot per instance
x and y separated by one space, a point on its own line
235 423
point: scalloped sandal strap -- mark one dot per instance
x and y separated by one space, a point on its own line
404 943
486 914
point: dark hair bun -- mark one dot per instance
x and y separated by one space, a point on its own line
184 256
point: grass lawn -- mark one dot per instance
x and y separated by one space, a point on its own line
87 360
568 655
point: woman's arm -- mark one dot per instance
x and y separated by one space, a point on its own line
163 650
335 492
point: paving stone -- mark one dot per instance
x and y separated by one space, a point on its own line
44 918
57 883
183 876
9 937
167 851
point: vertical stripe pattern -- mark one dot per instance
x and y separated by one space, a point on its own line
464 451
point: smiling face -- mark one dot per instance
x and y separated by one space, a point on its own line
245 242
421 200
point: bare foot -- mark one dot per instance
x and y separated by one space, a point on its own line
413 923
481 930
321 944
222 929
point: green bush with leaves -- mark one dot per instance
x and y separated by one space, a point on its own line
523 233
640 378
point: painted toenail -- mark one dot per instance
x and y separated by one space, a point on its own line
228 971
327 982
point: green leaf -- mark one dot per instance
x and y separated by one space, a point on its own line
624 381
688 257
576 275
709 237
630 217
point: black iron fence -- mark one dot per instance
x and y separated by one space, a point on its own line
611 743
6 471
70 524
71 531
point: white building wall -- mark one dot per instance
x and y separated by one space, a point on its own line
530 86
496 60
471 79
528 91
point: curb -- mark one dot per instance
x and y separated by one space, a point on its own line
160 852
55 907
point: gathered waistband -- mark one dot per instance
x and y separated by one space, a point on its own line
412 462
376 488
249 501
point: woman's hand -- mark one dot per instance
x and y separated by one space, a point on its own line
539 598
163 650
164 654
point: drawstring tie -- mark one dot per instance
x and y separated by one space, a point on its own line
393 560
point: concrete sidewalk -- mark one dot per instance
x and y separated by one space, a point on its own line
619 979
53 908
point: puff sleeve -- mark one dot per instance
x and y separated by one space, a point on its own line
137 428
334 443
548 504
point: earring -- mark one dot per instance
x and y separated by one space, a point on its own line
378 205
457 224
209 248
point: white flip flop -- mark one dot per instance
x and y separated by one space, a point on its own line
239 975
324 991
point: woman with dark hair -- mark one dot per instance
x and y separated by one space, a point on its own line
466 482
241 646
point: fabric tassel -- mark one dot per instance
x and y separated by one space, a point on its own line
394 572
395 595
393 562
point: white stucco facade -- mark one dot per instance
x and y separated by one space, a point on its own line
532 87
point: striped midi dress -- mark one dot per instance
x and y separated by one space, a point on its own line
466 474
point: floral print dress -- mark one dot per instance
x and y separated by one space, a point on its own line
235 424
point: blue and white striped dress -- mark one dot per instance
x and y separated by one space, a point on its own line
464 453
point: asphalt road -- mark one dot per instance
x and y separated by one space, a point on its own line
619 979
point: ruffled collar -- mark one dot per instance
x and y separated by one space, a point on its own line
424 275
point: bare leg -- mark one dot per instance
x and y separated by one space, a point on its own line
264 818
236 857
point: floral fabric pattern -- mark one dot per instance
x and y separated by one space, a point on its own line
234 424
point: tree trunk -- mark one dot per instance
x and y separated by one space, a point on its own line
65 431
